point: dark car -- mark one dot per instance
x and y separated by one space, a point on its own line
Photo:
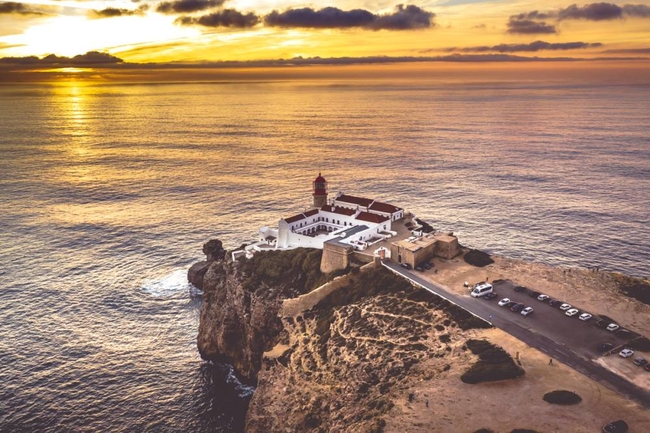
406 266
520 289
490 295
619 426
555 303
517 308
510 304
641 362
426 265
605 347
534 294
602 323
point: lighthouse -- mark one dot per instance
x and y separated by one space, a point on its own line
320 192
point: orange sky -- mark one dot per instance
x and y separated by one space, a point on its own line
197 31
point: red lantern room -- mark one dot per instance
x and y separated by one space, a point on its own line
320 191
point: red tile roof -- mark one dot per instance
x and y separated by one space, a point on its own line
311 212
384 207
295 218
371 217
339 210
355 200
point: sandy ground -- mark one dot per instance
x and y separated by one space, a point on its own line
502 406
506 405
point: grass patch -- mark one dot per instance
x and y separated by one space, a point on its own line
477 258
494 364
562 397
634 288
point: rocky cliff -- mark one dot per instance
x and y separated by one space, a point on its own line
241 300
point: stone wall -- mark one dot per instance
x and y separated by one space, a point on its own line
295 306
335 256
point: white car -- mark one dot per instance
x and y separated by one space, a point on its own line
542 297
612 327
626 353
526 311
565 307
585 316
572 312
504 302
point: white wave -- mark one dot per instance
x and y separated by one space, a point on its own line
168 285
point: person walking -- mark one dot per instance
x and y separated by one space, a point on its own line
550 361
426 402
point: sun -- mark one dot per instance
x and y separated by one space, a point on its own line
72 35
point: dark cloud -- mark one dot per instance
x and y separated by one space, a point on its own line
17 8
591 12
90 58
223 18
628 51
529 27
187 6
531 47
639 11
115 12
403 18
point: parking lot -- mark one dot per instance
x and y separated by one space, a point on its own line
582 337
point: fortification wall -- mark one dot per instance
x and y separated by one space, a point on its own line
295 306
335 257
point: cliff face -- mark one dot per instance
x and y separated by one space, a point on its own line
236 326
241 300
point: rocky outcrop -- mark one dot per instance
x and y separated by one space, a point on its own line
213 250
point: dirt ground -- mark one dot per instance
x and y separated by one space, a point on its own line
506 405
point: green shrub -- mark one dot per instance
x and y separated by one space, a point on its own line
562 397
641 343
494 364
477 258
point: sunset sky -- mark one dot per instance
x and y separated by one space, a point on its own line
127 32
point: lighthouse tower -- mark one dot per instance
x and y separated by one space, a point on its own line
320 192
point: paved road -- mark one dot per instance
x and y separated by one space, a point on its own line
504 320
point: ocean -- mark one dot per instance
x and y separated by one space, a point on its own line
108 192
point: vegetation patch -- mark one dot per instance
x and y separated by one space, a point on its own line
562 397
477 258
295 271
494 364
634 288
426 227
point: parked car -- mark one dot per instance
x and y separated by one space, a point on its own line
504 302
406 266
554 303
490 295
612 327
585 316
619 426
426 265
517 308
543 298
626 353
640 361
565 307
527 311
534 294
520 289
481 290
419 269
605 347
572 312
